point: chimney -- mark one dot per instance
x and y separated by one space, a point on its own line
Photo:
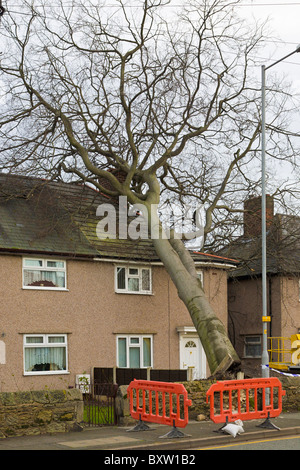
252 215
119 174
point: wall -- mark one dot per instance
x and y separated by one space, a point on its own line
39 412
290 305
245 312
197 393
91 314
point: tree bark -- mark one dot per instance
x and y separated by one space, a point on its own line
219 351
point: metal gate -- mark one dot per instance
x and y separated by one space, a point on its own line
99 404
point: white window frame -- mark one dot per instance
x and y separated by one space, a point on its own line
139 345
44 267
45 344
200 273
137 276
247 340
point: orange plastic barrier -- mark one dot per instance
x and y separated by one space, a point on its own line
159 402
245 399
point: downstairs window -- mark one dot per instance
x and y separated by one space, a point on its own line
45 354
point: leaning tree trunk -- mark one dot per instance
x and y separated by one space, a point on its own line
219 351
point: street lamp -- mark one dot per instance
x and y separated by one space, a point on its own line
265 318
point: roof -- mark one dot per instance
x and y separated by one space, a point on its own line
282 244
39 216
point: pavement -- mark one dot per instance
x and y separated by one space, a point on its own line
197 435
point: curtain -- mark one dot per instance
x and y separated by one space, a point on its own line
45 358
48 278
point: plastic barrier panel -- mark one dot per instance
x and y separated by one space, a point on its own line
245 399
159 402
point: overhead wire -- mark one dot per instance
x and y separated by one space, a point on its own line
170 5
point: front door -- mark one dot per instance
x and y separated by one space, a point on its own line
192 355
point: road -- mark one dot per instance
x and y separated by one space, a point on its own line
280 443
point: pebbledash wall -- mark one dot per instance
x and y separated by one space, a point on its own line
92 315
40 412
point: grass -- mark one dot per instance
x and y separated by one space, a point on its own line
95 414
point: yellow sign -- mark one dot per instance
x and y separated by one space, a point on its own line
266 318
295 349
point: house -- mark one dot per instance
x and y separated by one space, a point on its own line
245 286
71 302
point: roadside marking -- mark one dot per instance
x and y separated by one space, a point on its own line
249 442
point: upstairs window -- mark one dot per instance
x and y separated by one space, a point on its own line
44 274
133 280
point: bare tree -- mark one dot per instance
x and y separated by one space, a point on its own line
169 104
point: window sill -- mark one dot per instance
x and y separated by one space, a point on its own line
54 289
48 372
133 293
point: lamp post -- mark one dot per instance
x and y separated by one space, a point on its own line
265 319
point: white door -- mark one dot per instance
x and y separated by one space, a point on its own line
192 355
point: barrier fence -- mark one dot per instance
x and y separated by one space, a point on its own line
160 403
245 400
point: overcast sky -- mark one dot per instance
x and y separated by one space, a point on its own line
284 25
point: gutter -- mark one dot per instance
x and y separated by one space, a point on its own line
202 264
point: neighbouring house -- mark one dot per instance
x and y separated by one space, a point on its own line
71 302
245 286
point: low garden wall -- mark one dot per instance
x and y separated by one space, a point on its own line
39 412
50 411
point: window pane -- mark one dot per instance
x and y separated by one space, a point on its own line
133 284
122 352
253 339
34 339
45 359
33 262
56 339
134 358
44 278
133 271
134 340
147 352
252 346
121 278
145 279
55 264
253 350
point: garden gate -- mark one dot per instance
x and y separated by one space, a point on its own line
99 403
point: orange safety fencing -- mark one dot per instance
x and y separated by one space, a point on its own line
246 399
158 402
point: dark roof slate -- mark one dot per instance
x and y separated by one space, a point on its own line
48 217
